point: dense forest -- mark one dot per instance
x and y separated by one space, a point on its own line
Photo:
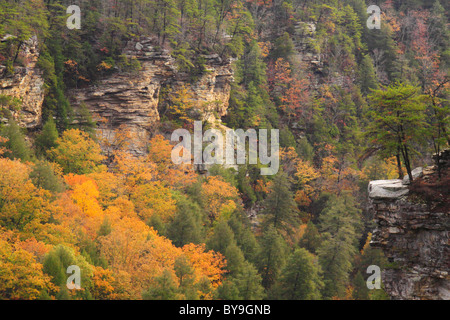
370 104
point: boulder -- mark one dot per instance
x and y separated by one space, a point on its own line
387 189
416 173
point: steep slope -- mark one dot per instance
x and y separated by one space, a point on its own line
26 83
133 100
413 225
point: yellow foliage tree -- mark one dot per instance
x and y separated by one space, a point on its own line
153 199
21 277
20 201
77 153
219 196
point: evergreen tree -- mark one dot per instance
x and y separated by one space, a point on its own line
271 256
43 176
245 238
300 278
47 138
366 75
185 274
361 291
227 291
187 223
280 208
340 222
398 121
235 259
249 284
16 146
221 238
165 288
311 238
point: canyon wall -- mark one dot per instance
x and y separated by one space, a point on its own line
134 99
129 99
413 231
25 83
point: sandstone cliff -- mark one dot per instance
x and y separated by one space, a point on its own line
26 83
134 100
413 231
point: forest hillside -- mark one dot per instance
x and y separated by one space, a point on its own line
92 91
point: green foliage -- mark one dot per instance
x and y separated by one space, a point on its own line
235 259
221 238
311 239
44 177
186 226
283 47
271 257
354 108
165 288
340 223
244 237
300 278
361 291
398 121
280 208
9 102
367 76
46 139
16 146
85 121
55 265
249 283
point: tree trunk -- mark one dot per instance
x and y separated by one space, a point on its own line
399 165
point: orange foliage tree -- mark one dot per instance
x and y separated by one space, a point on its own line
220 197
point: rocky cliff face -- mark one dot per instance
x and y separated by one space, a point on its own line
26 83
133 100
413 231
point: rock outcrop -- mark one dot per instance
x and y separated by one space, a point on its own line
413 231
133 100
25 83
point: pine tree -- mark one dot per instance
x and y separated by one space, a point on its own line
186 226
271 256
339 223
221 238
235 259
227 291
300 278
398 121
361 291
165 288
43 176
185 274
47 138
366 75
280 207
311 238
249 284
16 146
245 238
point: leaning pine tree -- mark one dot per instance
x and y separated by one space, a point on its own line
398 121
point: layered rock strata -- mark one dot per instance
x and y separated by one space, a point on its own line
134 99
413 225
